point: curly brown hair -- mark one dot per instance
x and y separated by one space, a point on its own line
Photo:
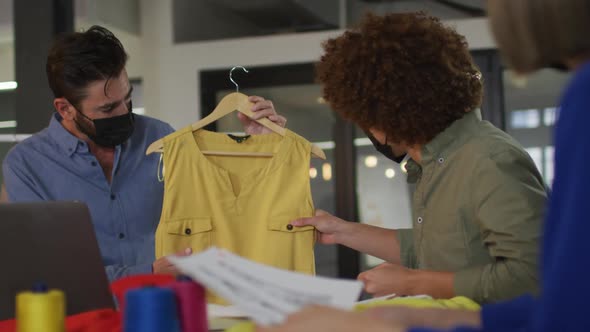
403 73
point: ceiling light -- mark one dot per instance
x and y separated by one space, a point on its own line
403 166
327 171
371 161
327 145
7 124
389 173
9 85
313 172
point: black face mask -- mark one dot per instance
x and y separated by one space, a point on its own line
385 149
110 132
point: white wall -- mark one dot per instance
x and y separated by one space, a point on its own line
132 43
170 71
6 61
6 51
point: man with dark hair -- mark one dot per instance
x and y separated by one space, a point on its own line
94 151
410 83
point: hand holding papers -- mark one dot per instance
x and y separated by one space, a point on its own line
265 294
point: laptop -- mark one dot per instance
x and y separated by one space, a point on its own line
51 243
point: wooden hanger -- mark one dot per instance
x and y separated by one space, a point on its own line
234 101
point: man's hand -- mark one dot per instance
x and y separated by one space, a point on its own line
262 109
386 279
323 319
163 266
327 226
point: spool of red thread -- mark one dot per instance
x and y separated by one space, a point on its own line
192 304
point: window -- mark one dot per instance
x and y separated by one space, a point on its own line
536 154
549 116
531 110
548 169
525 119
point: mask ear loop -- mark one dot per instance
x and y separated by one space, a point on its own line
160 171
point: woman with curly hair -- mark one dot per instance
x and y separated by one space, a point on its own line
532 34
410 83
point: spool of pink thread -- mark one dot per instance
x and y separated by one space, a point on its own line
192 305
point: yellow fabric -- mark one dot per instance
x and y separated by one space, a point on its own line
242 327
242 204
459 302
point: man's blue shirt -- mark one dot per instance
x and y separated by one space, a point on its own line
54 165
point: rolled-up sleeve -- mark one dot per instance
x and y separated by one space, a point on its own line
405 237
509 198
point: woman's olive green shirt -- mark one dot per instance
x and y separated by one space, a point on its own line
477 211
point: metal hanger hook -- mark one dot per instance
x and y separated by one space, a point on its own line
232 79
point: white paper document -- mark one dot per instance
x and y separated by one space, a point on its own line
265 294
216 311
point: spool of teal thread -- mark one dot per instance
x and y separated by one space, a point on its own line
151 309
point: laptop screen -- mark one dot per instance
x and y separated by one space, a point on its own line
51 243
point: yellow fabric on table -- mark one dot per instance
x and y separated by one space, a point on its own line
243 327
459 302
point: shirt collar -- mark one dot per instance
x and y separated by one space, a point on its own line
68 142
413 170
451 138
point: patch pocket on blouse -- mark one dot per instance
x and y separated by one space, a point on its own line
282 223
290 247
192 233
